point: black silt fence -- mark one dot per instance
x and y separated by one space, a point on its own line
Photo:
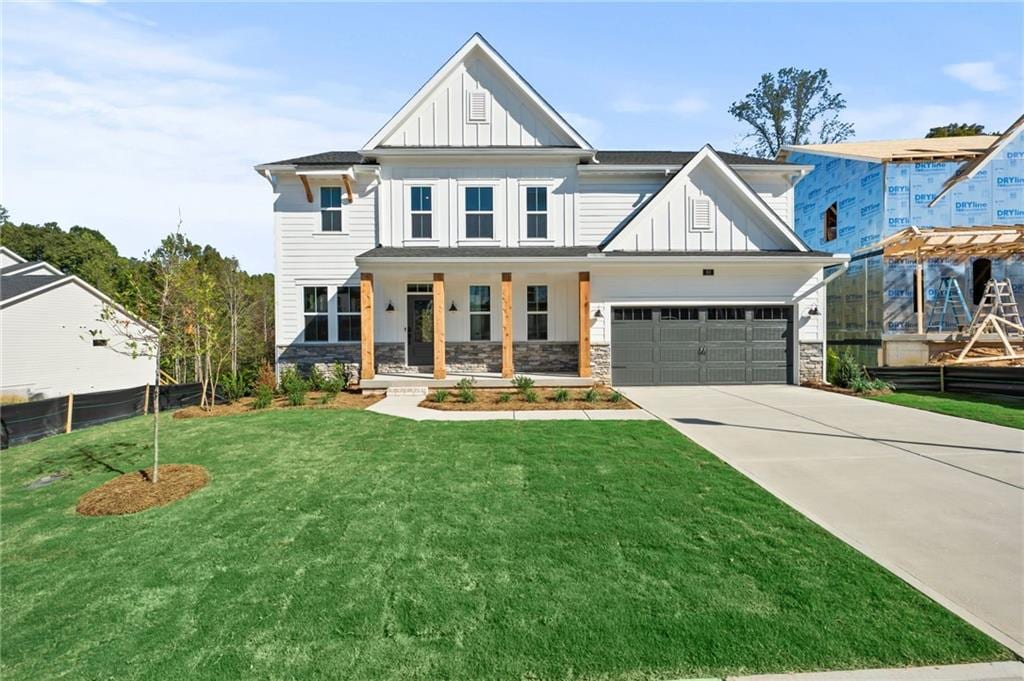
30 421
961 379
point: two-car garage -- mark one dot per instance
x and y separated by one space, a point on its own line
685 345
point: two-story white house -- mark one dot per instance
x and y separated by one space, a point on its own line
477 231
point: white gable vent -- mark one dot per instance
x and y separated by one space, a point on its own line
477 107
700 215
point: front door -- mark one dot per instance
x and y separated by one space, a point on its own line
420 330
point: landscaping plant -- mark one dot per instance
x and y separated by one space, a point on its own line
341 375
265 376
530 395
591 395
465 387
522 383
235 387
561 395
316 378
263 396
440 395
615 397
505 397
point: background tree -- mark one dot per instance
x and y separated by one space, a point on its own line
958 130
793 106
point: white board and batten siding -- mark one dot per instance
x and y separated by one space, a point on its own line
48 348
476 106
307 256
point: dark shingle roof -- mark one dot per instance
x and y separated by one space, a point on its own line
325 158
673 158
480 252
705 254
18 266
14 284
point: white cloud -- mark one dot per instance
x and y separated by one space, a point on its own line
980 75
111 125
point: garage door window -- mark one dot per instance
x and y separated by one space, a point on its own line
726 313
779 313
679 314
632 314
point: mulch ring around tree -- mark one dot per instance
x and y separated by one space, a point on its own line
135 491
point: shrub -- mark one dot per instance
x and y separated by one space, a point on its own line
847 370
831 364
591 395
561 395
865 384
522 383
505 397
440 395
465 387
265 376
615 397
341 374
235 387
297 394
289 378
530 395
264 395
316 378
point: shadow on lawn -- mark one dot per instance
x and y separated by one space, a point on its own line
115 457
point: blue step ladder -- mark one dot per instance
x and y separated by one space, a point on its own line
953 303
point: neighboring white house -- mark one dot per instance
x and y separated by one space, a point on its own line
46 345
478 231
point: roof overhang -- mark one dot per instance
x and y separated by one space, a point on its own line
490 152
754 257
952 242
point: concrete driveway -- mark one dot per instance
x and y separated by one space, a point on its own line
938 500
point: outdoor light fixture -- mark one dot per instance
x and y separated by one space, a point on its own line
453 308
390 307
598 314
813 311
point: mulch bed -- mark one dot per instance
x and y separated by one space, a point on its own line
135 491
487 399
344 400
829 388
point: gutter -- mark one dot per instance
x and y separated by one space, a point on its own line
824 282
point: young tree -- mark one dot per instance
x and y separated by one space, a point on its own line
793 106
958 130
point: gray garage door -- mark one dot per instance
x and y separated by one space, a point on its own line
701 345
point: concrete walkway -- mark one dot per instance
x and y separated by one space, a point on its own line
985 671
407 406
937 500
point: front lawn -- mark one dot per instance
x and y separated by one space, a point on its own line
1002 411
345 544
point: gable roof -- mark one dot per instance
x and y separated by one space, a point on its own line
971 168
16 285
11 254
476 42
708 153
27 267
885 151
645 157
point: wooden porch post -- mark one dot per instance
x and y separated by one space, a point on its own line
584 363
919 287
439 367
366 368
507 368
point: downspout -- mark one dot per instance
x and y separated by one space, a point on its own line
845 265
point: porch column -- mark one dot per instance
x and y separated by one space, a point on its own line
919 288
584 363
507 368
439 367
366 369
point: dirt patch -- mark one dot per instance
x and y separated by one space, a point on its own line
314 400
135 491
490 400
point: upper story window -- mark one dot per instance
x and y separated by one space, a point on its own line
420 212
314 308
831 222
536 313
349 317
330 209
479 212
480 313
536 212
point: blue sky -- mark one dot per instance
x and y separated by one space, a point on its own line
117 116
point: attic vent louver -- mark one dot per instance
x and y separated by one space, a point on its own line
476 107
700 215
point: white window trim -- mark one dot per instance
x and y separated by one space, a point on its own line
546 313
407 236
524 184
327 313
340 210
489 313
338 313
486 120
498 221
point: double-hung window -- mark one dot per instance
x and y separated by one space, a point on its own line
536 212
479 212
420 212
314 308
330 209
536 313
480 313
349 318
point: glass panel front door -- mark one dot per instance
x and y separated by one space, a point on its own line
420 330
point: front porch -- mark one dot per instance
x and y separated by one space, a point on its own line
434 328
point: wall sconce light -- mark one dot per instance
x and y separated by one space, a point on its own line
599 314
453 308
390 307
814 311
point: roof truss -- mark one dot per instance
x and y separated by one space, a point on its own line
955 242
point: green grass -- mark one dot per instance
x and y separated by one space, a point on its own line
344 544
1002 411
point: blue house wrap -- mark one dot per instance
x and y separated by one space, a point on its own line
874 200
